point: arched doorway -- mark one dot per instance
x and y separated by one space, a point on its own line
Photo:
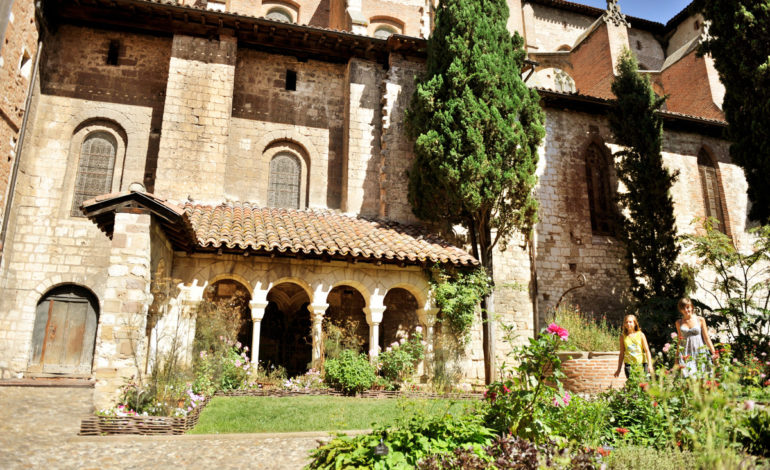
285 335
64 334
345 322
400 318
231 294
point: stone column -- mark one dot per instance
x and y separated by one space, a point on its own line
428 318
374 318
317 313
257 314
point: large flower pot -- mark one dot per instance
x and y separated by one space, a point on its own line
590 372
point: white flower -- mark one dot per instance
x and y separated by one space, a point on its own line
748 405
418 329
673 335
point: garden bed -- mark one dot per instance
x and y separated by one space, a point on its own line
167 425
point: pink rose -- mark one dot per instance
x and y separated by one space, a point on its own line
666 347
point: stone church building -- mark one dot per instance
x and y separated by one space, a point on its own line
258 147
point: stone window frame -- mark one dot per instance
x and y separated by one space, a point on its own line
708 167
297 151
602 224
79 136
385 22
289 7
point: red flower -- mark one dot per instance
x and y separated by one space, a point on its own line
679 443
644 386
622 431
506 389
655 404
767 382
602 451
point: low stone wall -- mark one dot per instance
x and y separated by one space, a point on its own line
590 372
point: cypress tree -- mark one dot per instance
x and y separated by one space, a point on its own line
648 227
739 42
477 128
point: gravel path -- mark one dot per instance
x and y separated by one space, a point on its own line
39 425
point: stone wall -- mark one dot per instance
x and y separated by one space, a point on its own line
196 121
647 49
264 112
17 60
551 28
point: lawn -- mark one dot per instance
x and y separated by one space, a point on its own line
312 413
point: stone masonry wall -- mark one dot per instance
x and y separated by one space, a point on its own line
46 246
192 159
397 148
552 28
362 146
17 59
264 111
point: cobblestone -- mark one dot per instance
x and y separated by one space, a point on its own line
39 425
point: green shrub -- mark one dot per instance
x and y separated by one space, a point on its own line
582 421
399 360
458 295
753 432
585 333
407 443
644 458
350 372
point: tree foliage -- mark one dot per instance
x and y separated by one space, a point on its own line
477 125
739 42
477 128
648 227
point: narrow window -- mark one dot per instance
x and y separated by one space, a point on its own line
291 80
384 32
599 196
284 181
25 64
97 162
112 52
712 194
279 14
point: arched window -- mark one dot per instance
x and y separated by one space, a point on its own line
279 14
599 194
285 173
384 32
95 170
65 331
712 193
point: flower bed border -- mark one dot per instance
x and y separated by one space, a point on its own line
167 425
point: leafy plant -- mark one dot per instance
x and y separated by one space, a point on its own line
226 368
350 372
399 360
649 458
753 432
340 336
741 289
585 333
519 403
458 294
407 443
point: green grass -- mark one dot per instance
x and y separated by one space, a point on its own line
313 413
586 333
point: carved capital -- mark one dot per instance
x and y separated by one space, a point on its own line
614 16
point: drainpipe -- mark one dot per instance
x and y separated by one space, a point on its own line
533 277
19 148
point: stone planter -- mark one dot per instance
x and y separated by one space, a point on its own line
590 372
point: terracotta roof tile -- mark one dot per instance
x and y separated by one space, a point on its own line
241 226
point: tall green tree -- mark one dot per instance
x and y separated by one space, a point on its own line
477 128
648 227
739 42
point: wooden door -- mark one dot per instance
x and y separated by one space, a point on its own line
64 334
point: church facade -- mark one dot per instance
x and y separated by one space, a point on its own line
258 147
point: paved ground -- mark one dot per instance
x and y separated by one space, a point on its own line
39 425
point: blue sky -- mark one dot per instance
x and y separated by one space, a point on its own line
653 10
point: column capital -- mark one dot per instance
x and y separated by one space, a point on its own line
428 315
257 310
318 309
374 314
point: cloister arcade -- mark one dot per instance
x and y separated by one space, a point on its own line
291 301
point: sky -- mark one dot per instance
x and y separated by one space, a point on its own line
653 10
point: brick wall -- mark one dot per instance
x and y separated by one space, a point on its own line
685 98
17 58
591 372
592 64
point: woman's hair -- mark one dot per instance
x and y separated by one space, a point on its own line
636 325
683 302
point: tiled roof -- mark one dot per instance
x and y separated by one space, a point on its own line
241 227
244 226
